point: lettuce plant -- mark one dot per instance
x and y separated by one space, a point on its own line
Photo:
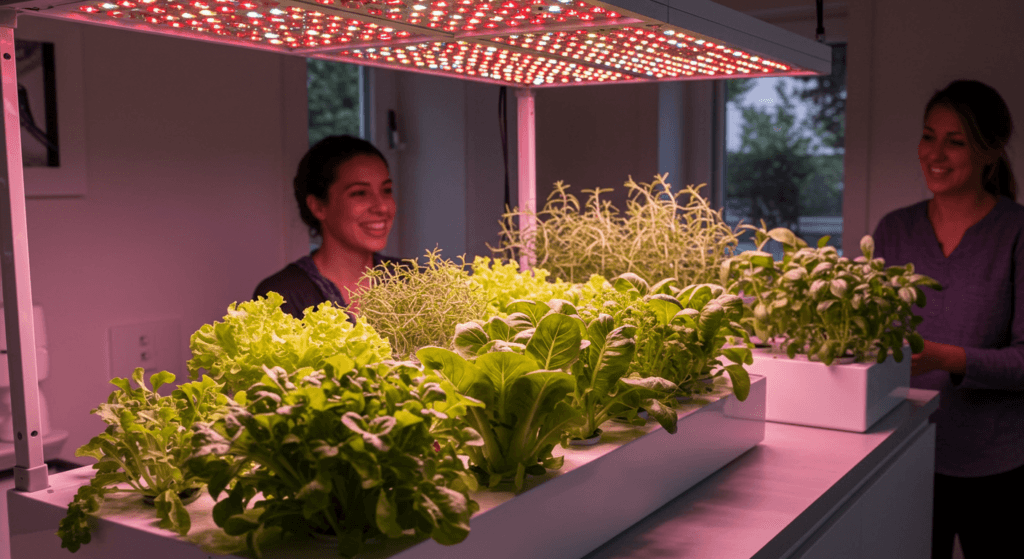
818 303
522 411
144 450
346 451
503 282
258 333
597 355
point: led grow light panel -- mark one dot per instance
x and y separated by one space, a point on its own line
645 53
527 43
454 16
473 60
269 23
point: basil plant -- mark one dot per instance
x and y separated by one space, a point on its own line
818 303
683 335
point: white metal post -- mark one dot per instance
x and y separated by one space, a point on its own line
527 138
30 468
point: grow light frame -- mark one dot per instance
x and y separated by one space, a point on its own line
700 22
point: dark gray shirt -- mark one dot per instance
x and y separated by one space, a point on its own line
302 285
980 422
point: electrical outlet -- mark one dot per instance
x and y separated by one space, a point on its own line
154 346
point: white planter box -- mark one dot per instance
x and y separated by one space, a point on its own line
846 396
600 491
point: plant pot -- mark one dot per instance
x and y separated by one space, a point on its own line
186 495
845 396
589 441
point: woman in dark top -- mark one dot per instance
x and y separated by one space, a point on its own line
344 192
970 237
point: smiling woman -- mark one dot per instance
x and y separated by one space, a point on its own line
344 192
970 237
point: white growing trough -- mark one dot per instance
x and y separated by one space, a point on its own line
600 491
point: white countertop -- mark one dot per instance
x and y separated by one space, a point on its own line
765 501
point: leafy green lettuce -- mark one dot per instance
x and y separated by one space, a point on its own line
258 333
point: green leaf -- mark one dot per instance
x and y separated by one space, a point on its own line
740 381
667 417
823 240
469 338
631 282
916 342
609 354
405 418
784 236
908 295
664 307
387 515
160 379
536 400
696 296
739 355
503 369
239 525
535 311
498 329
455 508
921 299
760 258
172 513
556 343
867 246
664 286
711 319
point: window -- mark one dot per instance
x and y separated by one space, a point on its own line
784 152
334 102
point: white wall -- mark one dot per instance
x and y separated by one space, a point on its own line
190 152
449 173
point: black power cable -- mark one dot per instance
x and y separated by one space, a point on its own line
503 131
819 33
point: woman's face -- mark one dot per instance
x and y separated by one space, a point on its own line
360 208
949 164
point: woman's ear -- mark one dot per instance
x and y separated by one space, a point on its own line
316 207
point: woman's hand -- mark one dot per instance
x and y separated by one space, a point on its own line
947 357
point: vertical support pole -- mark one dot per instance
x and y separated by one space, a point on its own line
526 134
30 469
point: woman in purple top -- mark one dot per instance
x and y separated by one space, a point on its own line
344 192
970 237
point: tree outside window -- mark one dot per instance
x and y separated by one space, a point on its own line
333 95
784 152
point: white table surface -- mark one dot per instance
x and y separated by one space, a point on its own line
764 502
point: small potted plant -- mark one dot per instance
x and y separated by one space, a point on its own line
839 329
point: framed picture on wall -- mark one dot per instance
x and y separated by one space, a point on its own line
51 108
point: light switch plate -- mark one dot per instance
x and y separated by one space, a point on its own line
154 346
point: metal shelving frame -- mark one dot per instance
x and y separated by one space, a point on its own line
527 44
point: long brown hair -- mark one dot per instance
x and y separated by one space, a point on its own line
987 121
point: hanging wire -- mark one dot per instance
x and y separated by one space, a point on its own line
503 130
819 33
